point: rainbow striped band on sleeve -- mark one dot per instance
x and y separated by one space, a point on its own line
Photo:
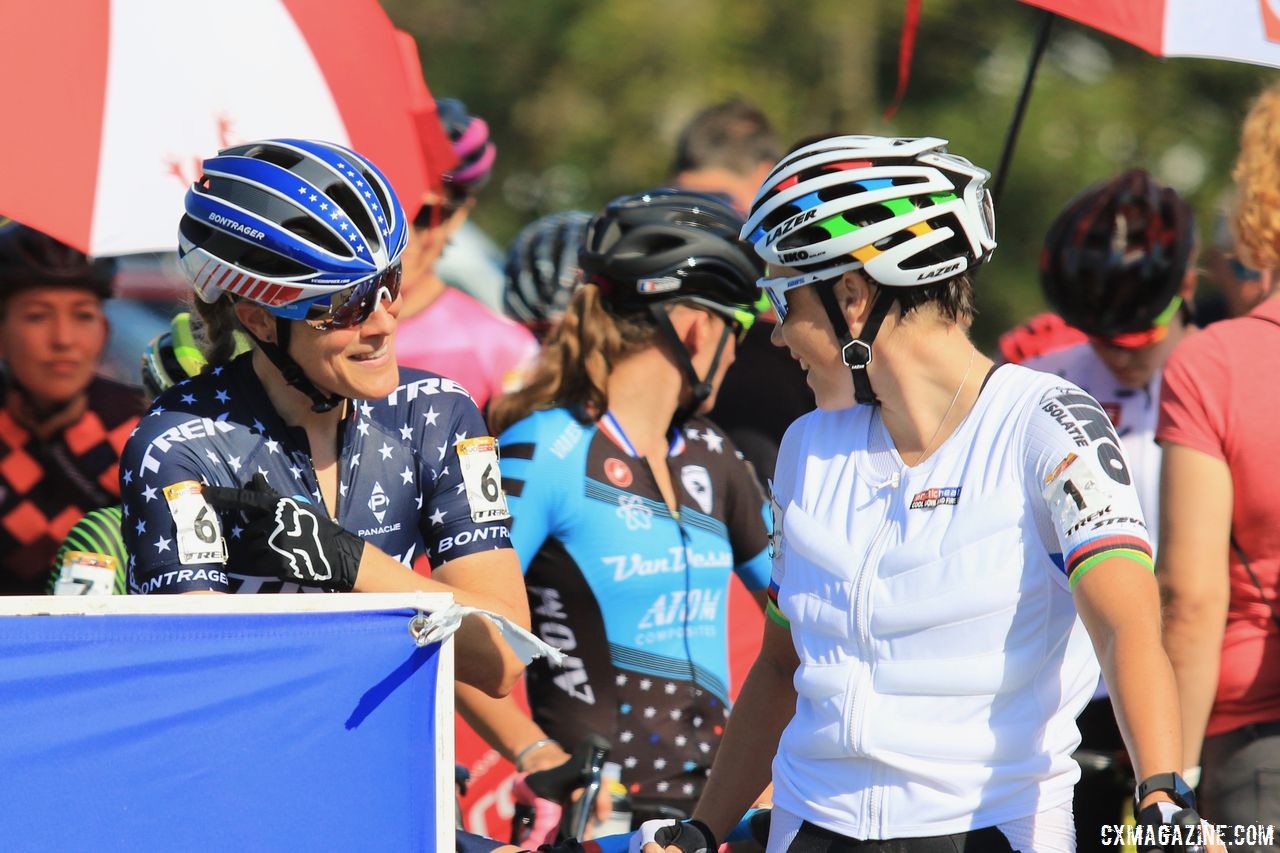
771 607
1091 552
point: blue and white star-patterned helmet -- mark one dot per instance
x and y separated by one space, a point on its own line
288 223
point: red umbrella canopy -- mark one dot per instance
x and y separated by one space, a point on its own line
111 105
1238 30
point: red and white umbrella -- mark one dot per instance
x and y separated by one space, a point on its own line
110 105
1238 30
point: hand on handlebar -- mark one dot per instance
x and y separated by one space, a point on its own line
545 794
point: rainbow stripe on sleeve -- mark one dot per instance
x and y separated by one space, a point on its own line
771 607
1091 552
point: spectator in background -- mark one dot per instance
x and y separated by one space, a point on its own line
62 427
729 148
1219 561
542 270
441 328
1118 266
1237 287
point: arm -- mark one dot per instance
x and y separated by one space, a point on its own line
1195 529
743 764
489 580
509 730
1119 604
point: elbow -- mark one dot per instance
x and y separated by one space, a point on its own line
502 679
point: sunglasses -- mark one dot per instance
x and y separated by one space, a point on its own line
776 288
353 306
1146 337
1240 271
432 214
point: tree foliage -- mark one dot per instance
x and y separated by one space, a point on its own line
585 99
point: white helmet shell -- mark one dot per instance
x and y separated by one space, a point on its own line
904 210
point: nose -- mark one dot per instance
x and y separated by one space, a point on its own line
775 336
384 317
64 331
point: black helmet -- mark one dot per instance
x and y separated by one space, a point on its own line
1115 258
31 258
670 244
542 268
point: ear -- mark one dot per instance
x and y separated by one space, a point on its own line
257 320
855 295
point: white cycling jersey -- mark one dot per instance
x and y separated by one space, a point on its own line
1133 412
942 663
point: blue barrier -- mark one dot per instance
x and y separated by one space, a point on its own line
129 728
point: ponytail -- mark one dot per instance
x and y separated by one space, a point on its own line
218 318
573 368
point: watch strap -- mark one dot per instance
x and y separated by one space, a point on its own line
1172 784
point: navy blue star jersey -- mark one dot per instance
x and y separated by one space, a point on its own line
636 597
417 476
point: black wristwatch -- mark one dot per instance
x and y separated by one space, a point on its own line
1172 784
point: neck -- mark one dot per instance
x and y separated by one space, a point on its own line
419 296
644 391
294 407
927 383
44 419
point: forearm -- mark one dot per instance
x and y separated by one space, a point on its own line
743 764
1143 695
482 658
506 728
1193 634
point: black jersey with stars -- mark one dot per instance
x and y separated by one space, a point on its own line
400 483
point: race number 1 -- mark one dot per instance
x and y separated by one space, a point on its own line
479 460
199 531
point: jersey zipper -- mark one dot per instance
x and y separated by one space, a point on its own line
861 689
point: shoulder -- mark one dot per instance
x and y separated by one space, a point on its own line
706 440
555 431
1067 361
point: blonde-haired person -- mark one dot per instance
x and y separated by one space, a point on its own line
957 545
629 511
1219 565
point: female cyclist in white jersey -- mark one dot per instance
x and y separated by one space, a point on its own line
949 539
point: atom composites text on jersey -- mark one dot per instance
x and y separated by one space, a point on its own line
417 476
635 596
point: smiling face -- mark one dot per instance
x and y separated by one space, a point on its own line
808 335
52 339
359 362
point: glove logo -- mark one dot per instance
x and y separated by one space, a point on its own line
296 538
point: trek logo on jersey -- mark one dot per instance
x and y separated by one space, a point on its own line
930 498
618 472
427 387
697 482
191 430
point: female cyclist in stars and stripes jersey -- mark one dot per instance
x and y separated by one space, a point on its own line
313 462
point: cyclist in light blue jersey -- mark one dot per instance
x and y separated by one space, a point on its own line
630 511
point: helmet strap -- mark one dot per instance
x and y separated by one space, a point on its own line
856 352
278 353
699 388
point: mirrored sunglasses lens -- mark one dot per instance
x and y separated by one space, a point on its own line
779 303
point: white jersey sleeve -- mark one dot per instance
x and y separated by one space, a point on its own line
1087 508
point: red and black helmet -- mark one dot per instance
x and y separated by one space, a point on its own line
31 258
1115 258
